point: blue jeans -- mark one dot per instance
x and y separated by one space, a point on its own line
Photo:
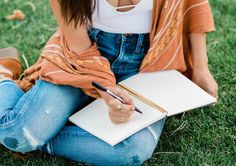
38 119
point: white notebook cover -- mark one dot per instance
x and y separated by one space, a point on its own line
168 89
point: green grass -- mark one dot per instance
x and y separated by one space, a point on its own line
206 136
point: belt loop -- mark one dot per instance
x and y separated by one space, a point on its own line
96 34
139 44
93 33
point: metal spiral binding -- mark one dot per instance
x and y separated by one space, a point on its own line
142 98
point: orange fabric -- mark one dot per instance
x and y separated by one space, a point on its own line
57 64
172 21
13 65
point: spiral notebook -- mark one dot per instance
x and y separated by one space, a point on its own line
156 94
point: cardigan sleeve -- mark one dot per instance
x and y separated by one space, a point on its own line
198 16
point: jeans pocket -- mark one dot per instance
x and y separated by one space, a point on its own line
143 44
93 34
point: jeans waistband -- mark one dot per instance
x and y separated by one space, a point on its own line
95 31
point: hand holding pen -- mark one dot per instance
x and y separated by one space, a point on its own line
112 94
118 113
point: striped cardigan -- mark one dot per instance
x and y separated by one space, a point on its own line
172 22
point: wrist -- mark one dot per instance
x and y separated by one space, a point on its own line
200 70
200 66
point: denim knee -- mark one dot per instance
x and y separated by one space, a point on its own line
38 117
24 142
136 149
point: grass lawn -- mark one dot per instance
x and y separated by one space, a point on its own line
207 136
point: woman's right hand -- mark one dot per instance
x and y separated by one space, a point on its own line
118 112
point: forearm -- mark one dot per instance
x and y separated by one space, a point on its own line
201 74
199 51
76 38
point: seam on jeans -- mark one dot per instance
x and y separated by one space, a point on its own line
120 54
7 82
90 31
74 133
140 41
155 136
95 34
20 113
49 148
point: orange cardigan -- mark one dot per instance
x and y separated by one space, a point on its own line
172 21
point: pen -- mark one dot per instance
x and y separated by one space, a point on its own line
112 94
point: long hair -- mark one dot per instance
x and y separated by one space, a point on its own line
77 12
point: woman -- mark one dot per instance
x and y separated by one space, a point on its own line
132 36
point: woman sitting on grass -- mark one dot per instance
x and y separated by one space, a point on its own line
105 41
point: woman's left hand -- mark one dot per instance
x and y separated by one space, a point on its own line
204 79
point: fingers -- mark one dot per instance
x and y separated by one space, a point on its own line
119 112
118 119
214 91
119 108
125 96
119 116
212 88
211 91
206 81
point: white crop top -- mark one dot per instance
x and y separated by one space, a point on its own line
137 20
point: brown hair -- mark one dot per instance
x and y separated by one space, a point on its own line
77 11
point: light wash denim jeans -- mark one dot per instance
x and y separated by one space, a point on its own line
38 119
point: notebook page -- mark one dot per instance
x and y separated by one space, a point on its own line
170 90
94 119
